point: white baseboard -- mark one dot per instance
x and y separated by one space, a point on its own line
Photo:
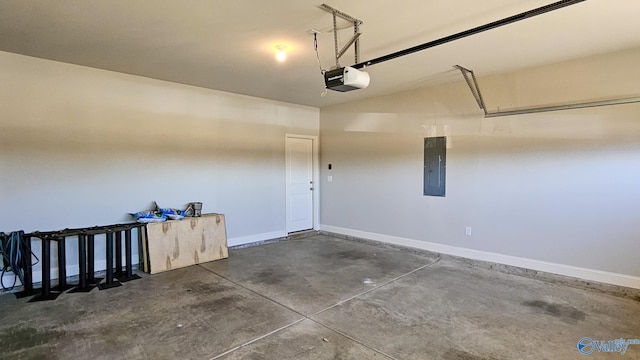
538 265
255 238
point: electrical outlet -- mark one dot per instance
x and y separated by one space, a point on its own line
467 231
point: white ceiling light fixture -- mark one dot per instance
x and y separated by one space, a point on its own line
281 54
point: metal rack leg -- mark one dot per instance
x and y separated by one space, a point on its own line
129 275
28 268
62 265
45 291
110 282
83 284
118 272
91 254
82 261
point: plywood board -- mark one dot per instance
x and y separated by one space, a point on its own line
178 243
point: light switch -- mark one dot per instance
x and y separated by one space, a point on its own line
330 178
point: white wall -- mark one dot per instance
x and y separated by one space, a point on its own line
556 191
82 147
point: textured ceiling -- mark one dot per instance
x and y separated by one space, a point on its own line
230 45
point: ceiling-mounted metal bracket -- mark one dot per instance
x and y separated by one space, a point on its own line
348 44
356 33
470 78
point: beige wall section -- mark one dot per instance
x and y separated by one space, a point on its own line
560 187
81 146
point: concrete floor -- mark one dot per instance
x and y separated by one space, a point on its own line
321 297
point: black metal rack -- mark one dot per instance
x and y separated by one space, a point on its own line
86 259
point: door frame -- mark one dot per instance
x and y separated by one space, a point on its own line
315 175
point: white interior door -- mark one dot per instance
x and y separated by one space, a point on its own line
299 184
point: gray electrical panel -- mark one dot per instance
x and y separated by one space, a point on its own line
435 164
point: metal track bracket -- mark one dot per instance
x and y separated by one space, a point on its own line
470 78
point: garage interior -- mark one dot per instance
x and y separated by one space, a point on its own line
530 246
